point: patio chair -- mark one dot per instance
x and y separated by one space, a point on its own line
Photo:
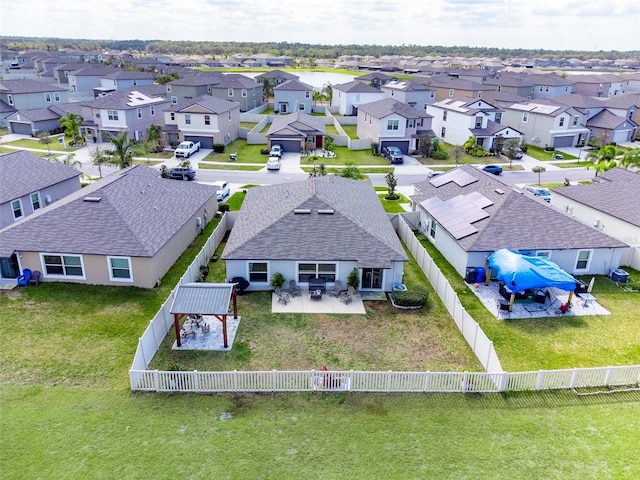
35 278
294 289
23 280
336 290
283 297
347 296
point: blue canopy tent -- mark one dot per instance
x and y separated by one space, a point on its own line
522 272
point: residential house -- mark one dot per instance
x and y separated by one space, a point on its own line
30 183
123 79
297 132
550 85
61 73
610 204
320 227
478 75
84 80
447 87
601 85
126 229
191 86
131 111
349 96
457 119
238 88
205 119
515 83
468 214
25 94
375 79
627 106
547 123
36 120
293 96
266 60
409 92
276 77
390 122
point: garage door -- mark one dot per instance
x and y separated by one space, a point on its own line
20 128
621 136
288 145
403 145
205 142
559 142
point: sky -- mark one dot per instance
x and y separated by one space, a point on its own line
531 24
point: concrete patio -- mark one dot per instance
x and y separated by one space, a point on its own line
490 296
211 339
328 304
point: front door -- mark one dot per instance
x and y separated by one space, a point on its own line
372 278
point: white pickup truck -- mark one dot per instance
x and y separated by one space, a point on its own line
185 149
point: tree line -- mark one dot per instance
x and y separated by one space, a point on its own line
296 49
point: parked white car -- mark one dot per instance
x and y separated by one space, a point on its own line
223 189
276 150
273 163
543 193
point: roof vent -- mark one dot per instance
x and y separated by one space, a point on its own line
499 191
301 211
92 199
325 211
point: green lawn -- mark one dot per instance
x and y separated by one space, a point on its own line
541 154
558 342
246 153
248 125
582 164
229 166
351 131
35 144
344 155
331 130
465 159
38 153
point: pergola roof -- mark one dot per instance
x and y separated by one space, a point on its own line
202 298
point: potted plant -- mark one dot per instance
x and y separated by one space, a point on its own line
277 280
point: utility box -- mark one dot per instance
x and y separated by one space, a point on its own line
471 275
618 275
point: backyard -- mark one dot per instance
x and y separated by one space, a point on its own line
67 407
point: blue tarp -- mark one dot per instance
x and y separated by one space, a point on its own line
521 272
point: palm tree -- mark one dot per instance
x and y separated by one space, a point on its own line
631 158
98 158
267 88
327 91
71 122
69 161
603 159
155 133
123 155
538 169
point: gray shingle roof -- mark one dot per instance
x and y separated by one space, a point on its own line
579 101
139 212
40 114
26 85
608 121
209 103
129 75
29 173
616 194
356 87
268 228
299 123
388 106
122 100
515 220
294 85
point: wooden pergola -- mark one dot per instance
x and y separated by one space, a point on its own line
204 299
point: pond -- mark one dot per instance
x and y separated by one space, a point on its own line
315 79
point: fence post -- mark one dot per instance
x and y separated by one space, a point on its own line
389 381
196 381
489 354
427 381
504 384
274 380
539 382
156 380
574 377
607 376
475 336
465 382
235 380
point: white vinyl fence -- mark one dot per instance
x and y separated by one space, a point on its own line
470 329
389 382
162 322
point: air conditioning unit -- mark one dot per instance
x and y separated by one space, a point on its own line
47 199
596 222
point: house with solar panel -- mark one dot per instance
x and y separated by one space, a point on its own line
468 214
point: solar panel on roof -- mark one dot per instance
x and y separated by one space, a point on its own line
479 199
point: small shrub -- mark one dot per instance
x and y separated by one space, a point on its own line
218 147
549 149
440 154
395 196
353 280
264 151
413 297
277 280
524 148
223 207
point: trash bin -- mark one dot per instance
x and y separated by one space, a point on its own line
470 277
480 273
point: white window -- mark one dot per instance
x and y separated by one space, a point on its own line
479 94
187 119
229 115
479 121
47 97
525 117
498 118
443 132
56 96
244 92
451 92
168 88
258 272
444 116
583 260
230 92
10 99
112 115
301 107
119 269
35 201
55 265
307 94
575 120
312 270
543 253
16 208
432 228
207 120
411 123
152 110
393 124
546 89
562 121
139 112
173 116
174 99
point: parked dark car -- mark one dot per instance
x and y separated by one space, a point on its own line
182 173
495 169
394 155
